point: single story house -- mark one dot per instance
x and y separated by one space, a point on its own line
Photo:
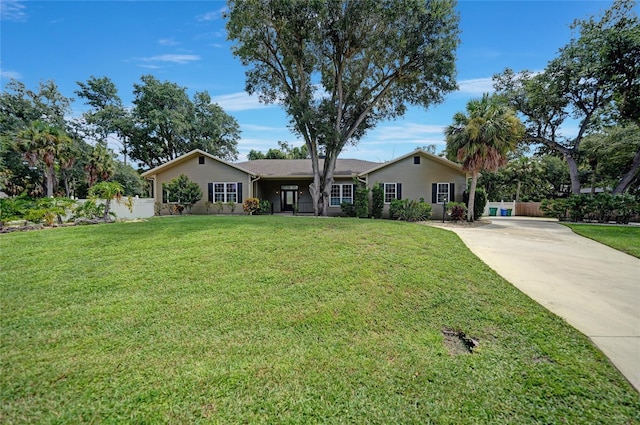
285 182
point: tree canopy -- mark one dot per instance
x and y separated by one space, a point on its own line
339 68
595 79
482 138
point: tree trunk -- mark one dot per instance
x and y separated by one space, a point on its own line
518 191
631 174
573 173
472 196
107 206
51 175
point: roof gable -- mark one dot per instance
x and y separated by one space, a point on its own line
422 153
187 156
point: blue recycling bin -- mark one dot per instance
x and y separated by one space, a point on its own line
503 212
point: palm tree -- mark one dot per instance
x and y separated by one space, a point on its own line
41 142
107 191
101 166
482 139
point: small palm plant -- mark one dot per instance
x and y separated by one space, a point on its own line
107 191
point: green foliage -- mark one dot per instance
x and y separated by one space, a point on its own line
377 200
251 205
457 210
352 52
265 206
91 210
15 208
603 207
165 123
107 191
409 210
480 203
482 139
184 192
284 152
40 210
129 178
232 206
593 79
394 208
361 201
219 206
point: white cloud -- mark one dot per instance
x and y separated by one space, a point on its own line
254 127
211 15
240 101
181 59
167 42
10 74
12 10
408 131
476 86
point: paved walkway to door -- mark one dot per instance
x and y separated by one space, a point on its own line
594 287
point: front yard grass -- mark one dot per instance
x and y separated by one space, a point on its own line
622 238
282 320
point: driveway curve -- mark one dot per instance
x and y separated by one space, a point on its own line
594 287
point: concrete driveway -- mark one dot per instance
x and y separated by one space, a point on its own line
594 287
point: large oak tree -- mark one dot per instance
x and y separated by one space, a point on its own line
595 79
340 67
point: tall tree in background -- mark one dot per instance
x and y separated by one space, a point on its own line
283 152
595 78
340 67
213 130
29 118
107 115
101 165
482 139
167 124
42 144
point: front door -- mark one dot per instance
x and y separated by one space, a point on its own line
289 199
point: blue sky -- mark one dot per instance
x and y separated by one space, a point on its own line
185 42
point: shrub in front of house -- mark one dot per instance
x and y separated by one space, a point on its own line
479 203
457 211
409 210
377 200
251 205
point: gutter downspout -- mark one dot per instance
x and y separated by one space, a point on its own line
251 184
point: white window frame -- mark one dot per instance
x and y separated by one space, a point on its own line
342 198
440 194
395 192
229 192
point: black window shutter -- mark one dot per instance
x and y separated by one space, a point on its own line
434 193
210 192
398 190
239 192
353 194
452 192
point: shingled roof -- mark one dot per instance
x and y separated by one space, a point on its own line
283 168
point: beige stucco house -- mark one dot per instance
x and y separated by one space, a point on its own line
285 182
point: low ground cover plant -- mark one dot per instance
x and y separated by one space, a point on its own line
265 319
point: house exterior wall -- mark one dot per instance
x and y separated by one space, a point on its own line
203 174
417 180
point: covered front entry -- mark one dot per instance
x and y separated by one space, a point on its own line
288 197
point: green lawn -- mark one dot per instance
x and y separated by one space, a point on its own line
282 320
622 238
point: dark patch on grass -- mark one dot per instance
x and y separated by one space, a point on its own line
458 343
